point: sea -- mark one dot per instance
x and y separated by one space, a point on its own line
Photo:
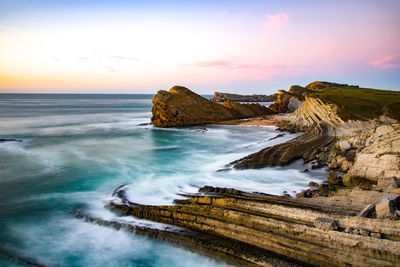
74 150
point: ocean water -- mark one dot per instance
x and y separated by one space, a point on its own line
76 149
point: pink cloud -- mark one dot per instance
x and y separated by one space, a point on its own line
124 58
274 22
387 62
254 70
5 27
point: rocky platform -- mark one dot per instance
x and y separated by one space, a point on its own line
181 107
265 230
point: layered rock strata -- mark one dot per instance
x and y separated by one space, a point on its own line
305 232
222 97
182 107
307 147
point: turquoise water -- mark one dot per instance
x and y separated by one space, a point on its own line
77 149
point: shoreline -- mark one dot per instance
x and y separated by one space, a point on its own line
349 220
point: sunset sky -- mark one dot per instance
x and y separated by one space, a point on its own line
233 46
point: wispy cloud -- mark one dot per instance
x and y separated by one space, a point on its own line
387 62
8 28
237 65
82 58
125 58
248 69
274 22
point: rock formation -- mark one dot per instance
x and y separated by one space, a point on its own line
182 107
289 101
276 230
365 162
222 97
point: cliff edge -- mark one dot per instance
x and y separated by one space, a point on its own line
181 107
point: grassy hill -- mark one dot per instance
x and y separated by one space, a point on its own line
356 103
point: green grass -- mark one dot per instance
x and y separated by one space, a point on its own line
360 103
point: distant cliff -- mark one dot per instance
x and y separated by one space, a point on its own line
222 97
182 107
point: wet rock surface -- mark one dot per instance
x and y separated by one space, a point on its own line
306 147
282 230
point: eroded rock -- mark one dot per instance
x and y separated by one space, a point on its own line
182 107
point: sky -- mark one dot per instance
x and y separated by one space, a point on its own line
230 46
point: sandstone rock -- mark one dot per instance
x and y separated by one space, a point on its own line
390 182
182 107
281 102
343 163
326 224
387 207
333 178
358 142
294 104
367 211
364 232
312 184
343 145
376 235
349 230
352 180
298 90
383 130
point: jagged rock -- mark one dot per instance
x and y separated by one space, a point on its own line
387 207
305 146
333 178
222 97
182 107
294 104
281 102
367 211
298 90
312 184
343 145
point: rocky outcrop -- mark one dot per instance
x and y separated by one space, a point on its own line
378 158
307 147
289 101
222 97
182 107
303 231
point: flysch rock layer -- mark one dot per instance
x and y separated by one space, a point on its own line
380 157
302 231
181 107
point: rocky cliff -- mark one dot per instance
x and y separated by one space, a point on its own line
182 107
331 114
222 97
